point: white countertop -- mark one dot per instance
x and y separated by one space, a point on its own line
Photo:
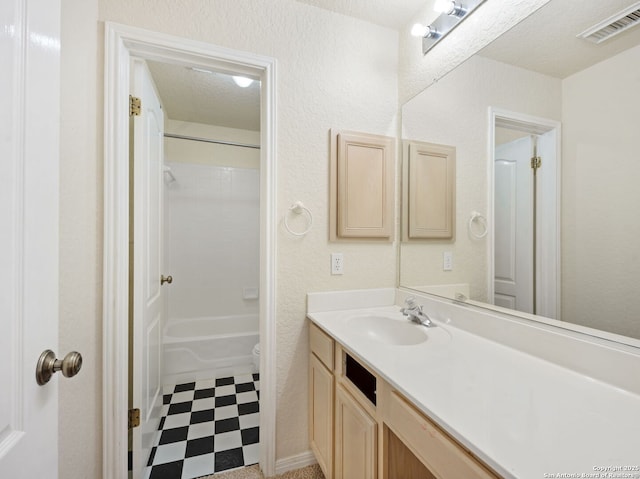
524 416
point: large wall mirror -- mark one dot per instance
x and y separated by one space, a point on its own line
563 243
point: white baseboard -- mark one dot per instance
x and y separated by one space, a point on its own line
292 463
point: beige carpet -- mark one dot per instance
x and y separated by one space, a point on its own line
253 472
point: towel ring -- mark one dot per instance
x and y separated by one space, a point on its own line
482 221
298 208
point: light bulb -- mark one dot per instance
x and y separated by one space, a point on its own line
445 6
423 31
419 30
242 82
449 7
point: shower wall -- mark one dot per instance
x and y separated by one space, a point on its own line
211 224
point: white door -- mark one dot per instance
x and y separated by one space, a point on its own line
547 267
29 151
148 138
514 244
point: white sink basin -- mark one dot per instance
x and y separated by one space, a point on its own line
388 330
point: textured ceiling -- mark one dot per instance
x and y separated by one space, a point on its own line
214 99
209 98
389 13
546 41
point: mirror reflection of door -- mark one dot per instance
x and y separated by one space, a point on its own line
524 201
514 229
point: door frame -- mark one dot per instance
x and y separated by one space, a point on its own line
121 43
549 257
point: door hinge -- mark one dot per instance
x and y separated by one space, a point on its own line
134 418
536 162
135 105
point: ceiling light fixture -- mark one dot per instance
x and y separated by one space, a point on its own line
242 82
451 14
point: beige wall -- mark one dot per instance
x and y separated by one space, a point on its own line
332 72
80 404
601 167
455 112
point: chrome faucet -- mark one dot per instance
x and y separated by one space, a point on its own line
414 312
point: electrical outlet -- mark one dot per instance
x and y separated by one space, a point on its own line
447 261
337 263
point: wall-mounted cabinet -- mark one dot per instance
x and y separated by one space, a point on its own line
428 191
362 189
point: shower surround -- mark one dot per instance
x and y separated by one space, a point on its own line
212 242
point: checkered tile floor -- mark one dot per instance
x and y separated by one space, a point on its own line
207 427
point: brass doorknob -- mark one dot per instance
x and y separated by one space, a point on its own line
48 365
168 279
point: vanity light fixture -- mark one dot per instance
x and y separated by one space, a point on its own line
452 12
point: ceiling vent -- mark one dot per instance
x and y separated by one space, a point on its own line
610 27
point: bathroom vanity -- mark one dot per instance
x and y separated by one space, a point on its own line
376 430
464 398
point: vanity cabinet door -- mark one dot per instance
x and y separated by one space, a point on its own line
321 414
356 439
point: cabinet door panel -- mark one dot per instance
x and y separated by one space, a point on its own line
429 186
356 439
321 414
362 186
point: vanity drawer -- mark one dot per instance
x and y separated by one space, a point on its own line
321 345
435 449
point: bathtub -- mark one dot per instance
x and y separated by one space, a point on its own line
209 347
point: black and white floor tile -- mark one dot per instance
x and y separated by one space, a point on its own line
207 427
